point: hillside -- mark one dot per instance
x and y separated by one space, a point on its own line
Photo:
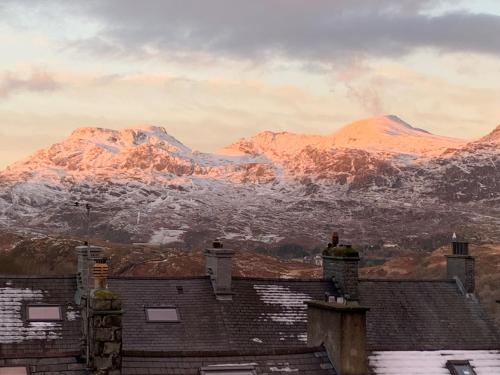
24 254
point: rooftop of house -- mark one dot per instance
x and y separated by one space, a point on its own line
264 314
263 325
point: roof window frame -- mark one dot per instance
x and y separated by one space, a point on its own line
28 319
450 365
26 368
164 307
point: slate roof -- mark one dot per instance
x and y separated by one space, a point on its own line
424 315
263 314
307 362
21 338
69 365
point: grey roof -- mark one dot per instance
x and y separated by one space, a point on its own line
425 315
265 315
69 365
19 337
305 362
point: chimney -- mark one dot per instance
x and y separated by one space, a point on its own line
218 267
104 314
341 264
100 273
87 256
460 264
341 328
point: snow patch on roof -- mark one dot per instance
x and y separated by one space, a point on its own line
13 329
291 304
484 362
285 368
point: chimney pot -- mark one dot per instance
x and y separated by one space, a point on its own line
335 239
100 273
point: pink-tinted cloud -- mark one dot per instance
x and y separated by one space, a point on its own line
38 81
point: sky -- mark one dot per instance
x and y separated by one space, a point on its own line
213 71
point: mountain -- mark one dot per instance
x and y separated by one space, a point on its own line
385 134
375 180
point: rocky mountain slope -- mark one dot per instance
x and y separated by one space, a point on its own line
377 180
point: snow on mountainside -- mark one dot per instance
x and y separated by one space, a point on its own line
146 153
385 134
374 180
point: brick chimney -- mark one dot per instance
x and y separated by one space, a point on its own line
341 264
85 264
104 316
341 328
218 267
460 265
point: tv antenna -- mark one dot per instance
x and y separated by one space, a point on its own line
87 207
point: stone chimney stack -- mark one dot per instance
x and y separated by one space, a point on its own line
104 314
218 267
341 328
87 256
341 263
461 265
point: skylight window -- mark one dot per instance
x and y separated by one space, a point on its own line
228 370
44 314
460 368
162 314
13 371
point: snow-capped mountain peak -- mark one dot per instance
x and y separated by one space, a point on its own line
129 137
92 151
384 134
390 134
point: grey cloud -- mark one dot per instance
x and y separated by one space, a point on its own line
317 30
39 80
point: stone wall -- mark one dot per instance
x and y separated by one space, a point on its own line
105 333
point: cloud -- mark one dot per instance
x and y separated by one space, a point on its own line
39 80
318 30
